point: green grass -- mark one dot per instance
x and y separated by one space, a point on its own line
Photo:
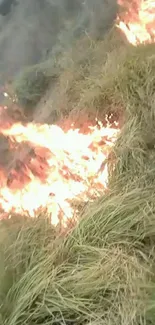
103 271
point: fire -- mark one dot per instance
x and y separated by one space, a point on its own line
53 168
138 24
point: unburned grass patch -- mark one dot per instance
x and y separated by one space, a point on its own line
86 82
80 283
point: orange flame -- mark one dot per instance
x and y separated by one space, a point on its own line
56 168
138 24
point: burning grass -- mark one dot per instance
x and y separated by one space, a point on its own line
102 272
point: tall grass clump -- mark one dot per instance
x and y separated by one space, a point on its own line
46 280
102 271
135 82
85 86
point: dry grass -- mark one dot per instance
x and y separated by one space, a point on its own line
102 272
85 85
31 85
98 278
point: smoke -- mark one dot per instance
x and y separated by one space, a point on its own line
26 33
31 29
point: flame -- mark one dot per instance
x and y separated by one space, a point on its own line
138 24
53 168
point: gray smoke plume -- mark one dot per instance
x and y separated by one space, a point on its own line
31 29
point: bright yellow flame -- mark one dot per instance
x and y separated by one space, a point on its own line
65 166
139 23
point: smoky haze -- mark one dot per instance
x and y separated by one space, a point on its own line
31 29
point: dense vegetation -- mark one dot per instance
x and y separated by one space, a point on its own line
102 272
